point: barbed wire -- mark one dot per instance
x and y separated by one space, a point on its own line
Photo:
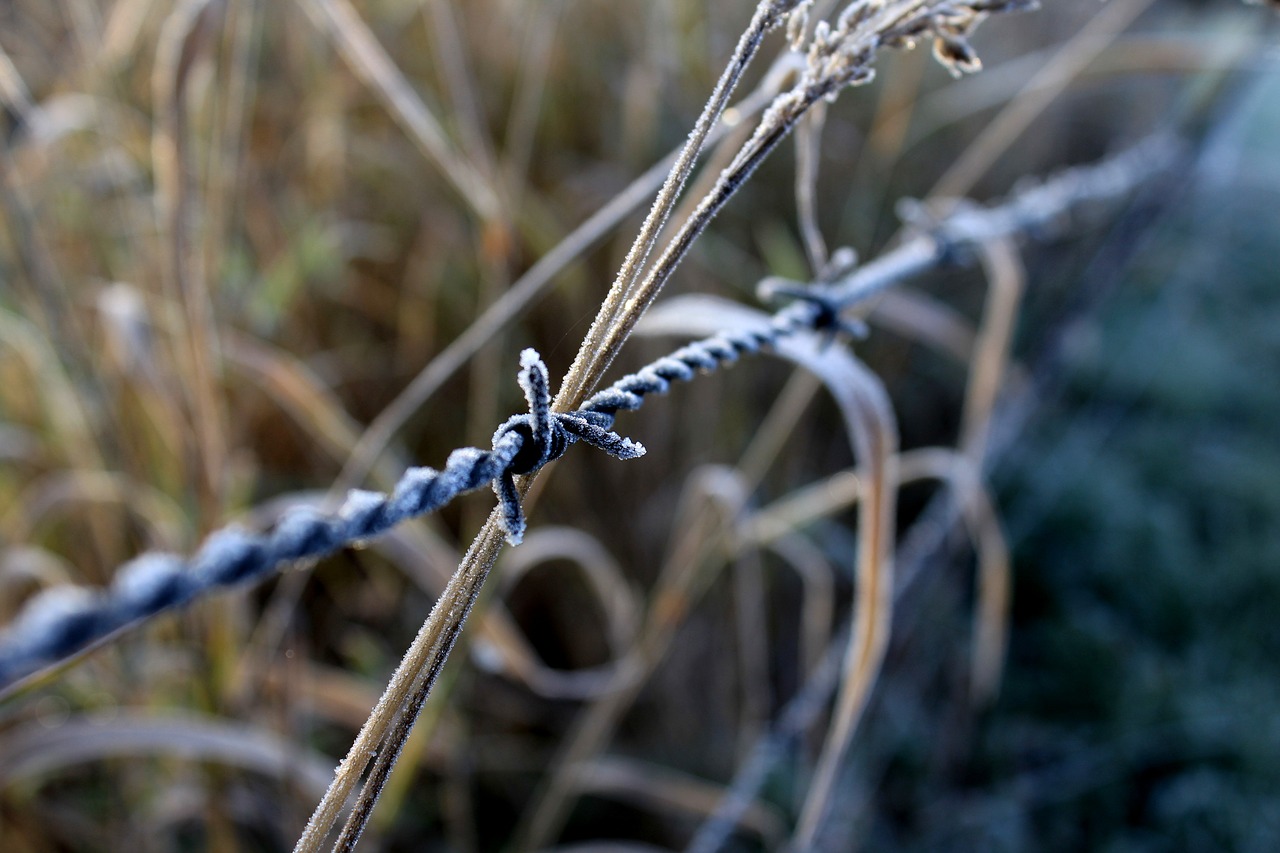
61 622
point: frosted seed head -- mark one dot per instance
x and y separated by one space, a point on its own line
797 23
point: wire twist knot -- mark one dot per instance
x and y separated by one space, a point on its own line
824 308
525 443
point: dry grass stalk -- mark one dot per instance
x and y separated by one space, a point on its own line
837 56
839 53
340 22
185 37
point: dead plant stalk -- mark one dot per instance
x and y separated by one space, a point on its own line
839 54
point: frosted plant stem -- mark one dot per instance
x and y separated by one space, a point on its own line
532 284
426 658
432 645
593 357
416 674
808 154
730 181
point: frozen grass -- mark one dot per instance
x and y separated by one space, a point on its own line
233 233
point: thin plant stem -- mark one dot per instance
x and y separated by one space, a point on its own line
609 330
357 44
528 287
777 425
1040 91
875 436
1006 278
808 154
841 61
414 676
184 36
730 181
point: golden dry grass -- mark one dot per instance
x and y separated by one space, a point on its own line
248 251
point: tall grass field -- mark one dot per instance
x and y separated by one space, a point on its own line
937 343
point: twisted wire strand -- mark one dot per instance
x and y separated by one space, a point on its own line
63 621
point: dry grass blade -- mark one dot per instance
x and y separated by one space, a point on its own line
340 22
225 172
662 790
528 287
801 508
185 37
995 575
1041 91
121 32
617 601
38 750
995 594
299 391
1007 280
14 93
777 426
873 434
808 148
712 498
750 611
919 317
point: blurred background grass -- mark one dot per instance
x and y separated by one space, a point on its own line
184 347
1140 499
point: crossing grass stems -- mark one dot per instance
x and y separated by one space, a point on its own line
838 51
838 54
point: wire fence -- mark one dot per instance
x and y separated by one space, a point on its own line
62 622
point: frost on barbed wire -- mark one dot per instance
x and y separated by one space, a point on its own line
63 621
835 56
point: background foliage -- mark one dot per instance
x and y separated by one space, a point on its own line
1139 494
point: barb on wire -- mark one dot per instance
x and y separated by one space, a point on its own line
829 318
64 621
